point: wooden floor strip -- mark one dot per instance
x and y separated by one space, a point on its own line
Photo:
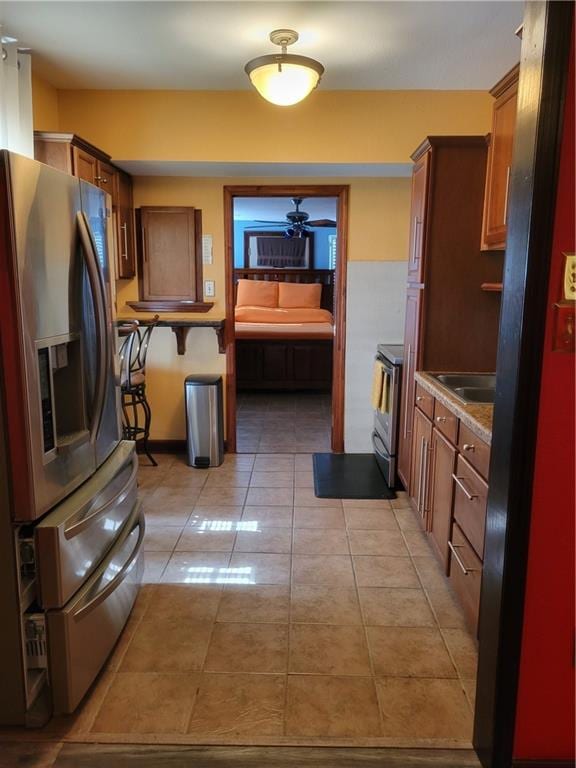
128 756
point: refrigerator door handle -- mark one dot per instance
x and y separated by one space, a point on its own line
94 277
112 585
76 527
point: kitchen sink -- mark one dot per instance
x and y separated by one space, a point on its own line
470 387
475 380
474 394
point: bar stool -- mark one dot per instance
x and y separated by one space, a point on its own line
133 352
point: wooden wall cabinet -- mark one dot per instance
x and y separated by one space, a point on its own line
451 324
125 235
501 145
170 260
72 154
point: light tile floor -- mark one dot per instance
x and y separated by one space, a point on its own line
283 422
281 622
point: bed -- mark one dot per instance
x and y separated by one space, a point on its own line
284 329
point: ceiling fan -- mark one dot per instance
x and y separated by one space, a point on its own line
297 222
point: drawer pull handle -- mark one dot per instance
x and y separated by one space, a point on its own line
465 570
419 398
469 447
460 484
440 419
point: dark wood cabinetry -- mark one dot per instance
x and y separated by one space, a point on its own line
411 333
418 218
74 155
419 485
451 324
500 151
126 256
170 260
442 465
449 495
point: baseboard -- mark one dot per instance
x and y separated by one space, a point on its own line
542 764
168 446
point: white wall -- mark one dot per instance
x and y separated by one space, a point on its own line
375 304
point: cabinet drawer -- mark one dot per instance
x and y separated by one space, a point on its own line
477 452
445 421
470 494
424 401
465 575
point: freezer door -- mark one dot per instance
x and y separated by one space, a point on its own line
83 633
43 334
72 540
102 365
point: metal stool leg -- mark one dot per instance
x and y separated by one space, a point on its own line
147 422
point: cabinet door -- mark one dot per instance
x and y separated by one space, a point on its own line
126 266
85 165
498 169
417 220
419 475
106 180
442 463
170 255
411 326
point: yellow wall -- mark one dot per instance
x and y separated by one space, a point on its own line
220 126
44 105
378 229
330 127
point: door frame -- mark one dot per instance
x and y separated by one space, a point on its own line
545 54
341 192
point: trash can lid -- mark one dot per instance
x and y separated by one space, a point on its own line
203 378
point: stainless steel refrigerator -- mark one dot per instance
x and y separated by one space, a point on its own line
71 529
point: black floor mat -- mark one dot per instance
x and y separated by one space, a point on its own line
349 476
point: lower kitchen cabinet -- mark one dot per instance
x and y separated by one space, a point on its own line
419 474
465 571
448 490
443 461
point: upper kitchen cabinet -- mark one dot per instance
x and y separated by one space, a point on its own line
72 154
417 219
501 145
125 250
170 260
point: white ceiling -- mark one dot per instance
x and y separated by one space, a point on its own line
274 208
204 45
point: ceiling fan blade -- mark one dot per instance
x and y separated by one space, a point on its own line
321 223
267 221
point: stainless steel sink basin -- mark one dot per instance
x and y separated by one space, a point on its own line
476 380
474 394
470 387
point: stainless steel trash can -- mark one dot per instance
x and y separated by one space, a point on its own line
204 420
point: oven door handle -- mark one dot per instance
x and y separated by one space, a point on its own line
377 439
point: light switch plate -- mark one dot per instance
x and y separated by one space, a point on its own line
206 249
569 277
209 289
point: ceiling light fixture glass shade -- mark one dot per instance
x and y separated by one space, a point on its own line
284 78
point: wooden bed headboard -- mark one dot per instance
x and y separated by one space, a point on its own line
324 276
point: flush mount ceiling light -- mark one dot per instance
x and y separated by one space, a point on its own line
284 78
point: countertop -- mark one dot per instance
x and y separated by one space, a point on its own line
477 416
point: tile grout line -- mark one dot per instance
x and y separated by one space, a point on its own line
434 613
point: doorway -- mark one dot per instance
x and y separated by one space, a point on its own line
320 357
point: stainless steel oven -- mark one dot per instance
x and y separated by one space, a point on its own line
386 401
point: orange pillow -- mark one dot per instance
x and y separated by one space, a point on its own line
257 293
299 295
